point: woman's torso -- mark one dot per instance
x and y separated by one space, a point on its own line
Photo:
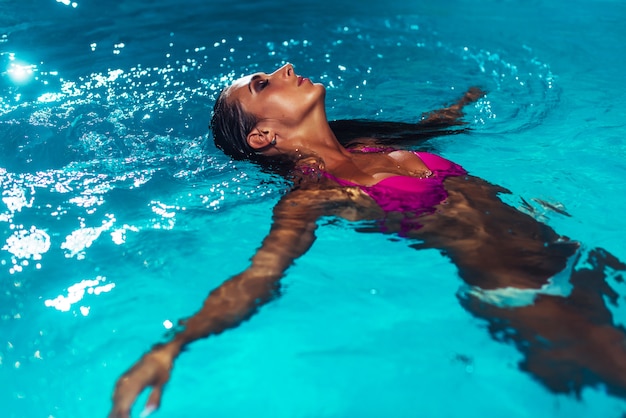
398 181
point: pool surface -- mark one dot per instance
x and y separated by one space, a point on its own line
117 218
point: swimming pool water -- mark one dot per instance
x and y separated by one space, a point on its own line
115 223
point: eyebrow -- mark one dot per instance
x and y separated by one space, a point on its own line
254 77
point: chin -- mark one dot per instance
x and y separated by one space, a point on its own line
321 88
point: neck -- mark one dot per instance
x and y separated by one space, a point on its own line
320 141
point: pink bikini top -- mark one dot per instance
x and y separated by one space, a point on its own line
410 194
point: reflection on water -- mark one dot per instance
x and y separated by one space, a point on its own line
26 245
103 152
110 131
68 3
20 73
77 292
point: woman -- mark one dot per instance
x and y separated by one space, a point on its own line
508 260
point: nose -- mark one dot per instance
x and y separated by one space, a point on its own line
285 71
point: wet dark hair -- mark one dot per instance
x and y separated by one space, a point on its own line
230 125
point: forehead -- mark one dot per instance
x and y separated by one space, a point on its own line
238 88
242 82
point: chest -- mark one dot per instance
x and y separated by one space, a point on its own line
370 168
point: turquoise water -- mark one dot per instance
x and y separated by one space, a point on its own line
115 222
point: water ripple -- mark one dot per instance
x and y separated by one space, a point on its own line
93 159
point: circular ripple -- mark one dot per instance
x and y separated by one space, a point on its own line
93 137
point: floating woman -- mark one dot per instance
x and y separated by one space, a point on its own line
542 291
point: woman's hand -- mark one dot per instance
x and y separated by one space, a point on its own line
470 96
152 370
449 116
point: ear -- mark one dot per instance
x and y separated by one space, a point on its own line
259 138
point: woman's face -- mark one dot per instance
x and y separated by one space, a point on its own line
281 96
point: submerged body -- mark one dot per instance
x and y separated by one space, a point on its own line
421 196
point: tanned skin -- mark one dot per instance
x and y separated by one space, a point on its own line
568 341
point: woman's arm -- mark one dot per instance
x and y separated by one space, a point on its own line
449 116
431 125
238 298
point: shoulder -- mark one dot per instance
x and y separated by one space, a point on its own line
310 174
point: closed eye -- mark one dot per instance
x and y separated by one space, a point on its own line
260 85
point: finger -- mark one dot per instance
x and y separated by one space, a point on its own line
155 397
147 411
125 394
154 401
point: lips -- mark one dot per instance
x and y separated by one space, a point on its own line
302 80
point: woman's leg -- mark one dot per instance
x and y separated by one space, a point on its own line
511 264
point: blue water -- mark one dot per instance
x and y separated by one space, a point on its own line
113 220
